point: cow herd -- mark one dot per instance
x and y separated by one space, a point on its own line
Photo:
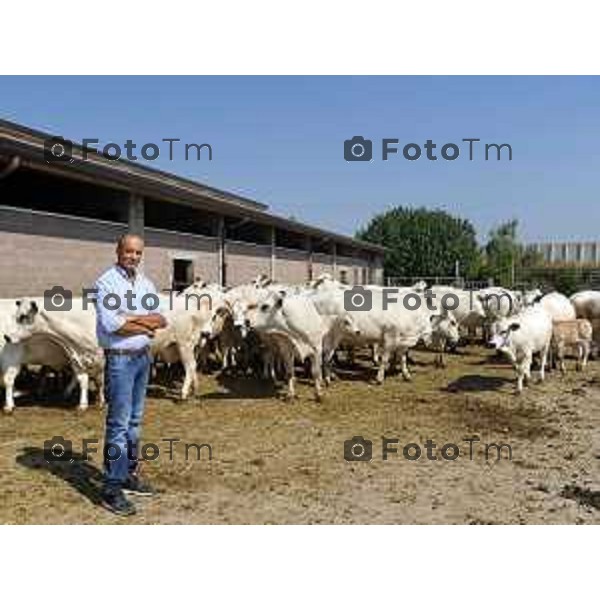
268 330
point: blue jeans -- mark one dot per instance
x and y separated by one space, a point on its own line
126 378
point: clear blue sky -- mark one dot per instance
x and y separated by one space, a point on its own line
280 140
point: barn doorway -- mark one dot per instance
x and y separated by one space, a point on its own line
183 273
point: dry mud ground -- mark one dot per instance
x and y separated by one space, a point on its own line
277 462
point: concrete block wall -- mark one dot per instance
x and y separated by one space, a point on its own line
244 262
322 263
291 266
354 270
162 247
39 251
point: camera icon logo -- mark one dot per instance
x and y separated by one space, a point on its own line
358 149
57 149
358 449
57 449
357 298
58 299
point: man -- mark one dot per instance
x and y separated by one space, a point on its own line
124 330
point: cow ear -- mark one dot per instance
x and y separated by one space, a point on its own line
514 326
279 302
18 302
34 307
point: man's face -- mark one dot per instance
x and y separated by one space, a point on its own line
129 253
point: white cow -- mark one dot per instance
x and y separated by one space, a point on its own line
498 303
445 331
558 306
186 315
56 339
587 306
529 297
393 331
468 312
293 325
520 337
575 334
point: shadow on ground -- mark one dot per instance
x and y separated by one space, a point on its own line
80 474
477 383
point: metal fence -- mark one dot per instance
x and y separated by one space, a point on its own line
459 282
564 279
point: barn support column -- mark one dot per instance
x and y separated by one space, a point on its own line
309 266
222 264
136 215
273 253
334 259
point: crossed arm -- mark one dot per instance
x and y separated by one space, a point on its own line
146 324
127 325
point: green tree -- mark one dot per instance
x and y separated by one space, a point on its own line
504 257
423 242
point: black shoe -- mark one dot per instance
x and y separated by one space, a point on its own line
136 487
114 500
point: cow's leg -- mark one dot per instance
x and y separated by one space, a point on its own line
269 365
10 374
543 361
289 369
376 354
225 358
440 362
84 381
101 397
317 374
404 365
560 355
527 369
188 358
585 352
520 368
327 368
384 359
70 387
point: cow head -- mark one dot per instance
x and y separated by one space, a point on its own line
267 314
213 327
262 281
349 325
320 280
24 322
502 338
240 314
530 297
446 326
420 286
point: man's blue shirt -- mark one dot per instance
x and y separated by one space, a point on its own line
117 282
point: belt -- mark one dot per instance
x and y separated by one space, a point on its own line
125 351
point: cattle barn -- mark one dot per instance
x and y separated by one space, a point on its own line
59 222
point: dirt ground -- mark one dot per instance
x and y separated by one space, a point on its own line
278 462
